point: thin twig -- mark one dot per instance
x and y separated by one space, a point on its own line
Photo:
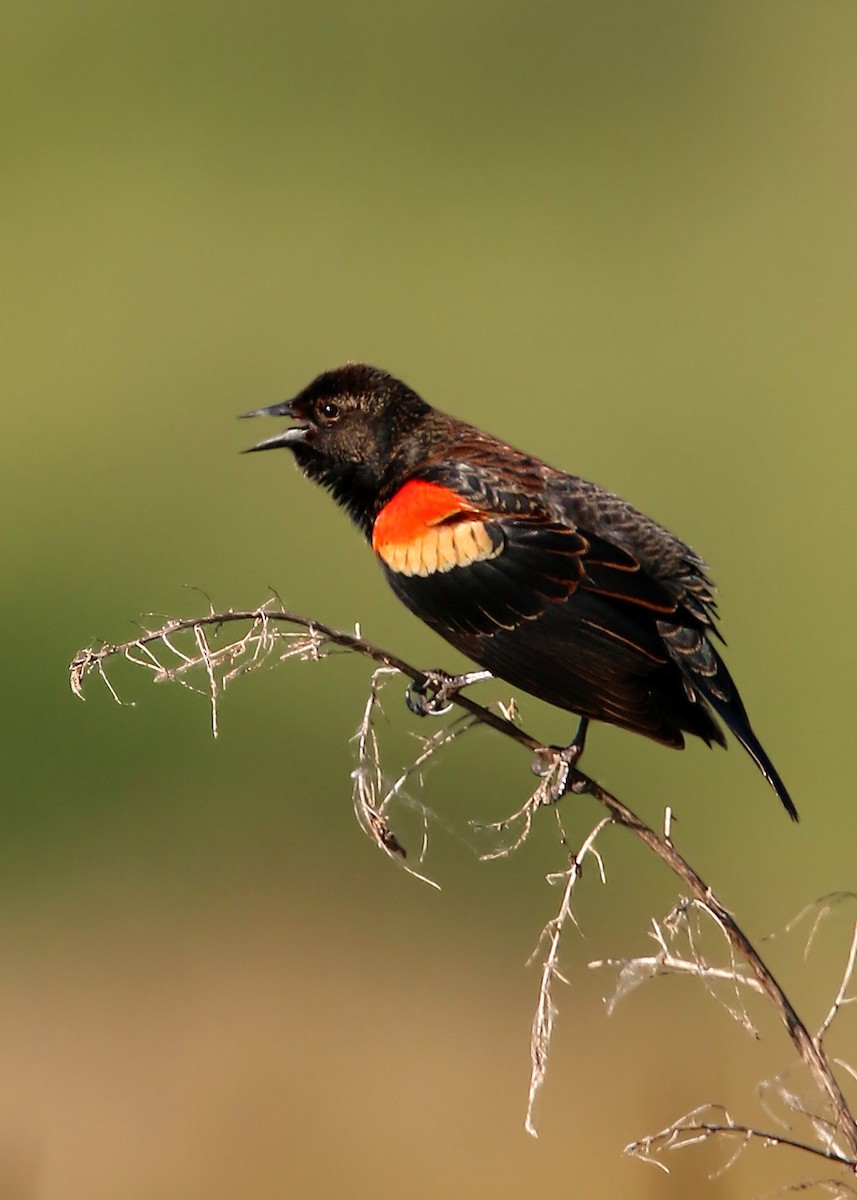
669 964
689 1131
546 1009
841 998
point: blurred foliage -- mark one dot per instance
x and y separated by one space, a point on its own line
621 235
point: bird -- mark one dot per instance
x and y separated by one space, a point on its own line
545 580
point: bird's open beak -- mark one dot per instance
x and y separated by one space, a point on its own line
289 437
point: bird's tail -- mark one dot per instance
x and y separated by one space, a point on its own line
707 676
734 715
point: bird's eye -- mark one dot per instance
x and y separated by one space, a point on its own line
329 411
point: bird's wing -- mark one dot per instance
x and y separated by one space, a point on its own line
570 597
663 558
520 561
558 532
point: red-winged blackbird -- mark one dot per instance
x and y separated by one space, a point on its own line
544 579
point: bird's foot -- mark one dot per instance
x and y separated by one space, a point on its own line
561 762
433 693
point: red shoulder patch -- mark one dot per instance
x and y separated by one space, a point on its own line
415 508
427 529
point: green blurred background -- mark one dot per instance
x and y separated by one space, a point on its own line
622 236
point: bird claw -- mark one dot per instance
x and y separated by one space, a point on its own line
427 696
433 693
560 761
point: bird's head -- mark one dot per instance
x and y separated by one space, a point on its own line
349 426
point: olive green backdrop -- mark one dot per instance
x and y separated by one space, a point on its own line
623 236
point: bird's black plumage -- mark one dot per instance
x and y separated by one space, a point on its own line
548 581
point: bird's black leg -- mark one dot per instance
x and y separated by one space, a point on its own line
574 749
432 694
568 756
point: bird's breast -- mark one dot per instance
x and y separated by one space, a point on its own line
427 528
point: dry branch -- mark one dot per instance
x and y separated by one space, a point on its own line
275 632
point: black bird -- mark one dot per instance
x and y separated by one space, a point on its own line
545 580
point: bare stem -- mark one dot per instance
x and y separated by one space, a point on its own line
690 1130
809 1048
